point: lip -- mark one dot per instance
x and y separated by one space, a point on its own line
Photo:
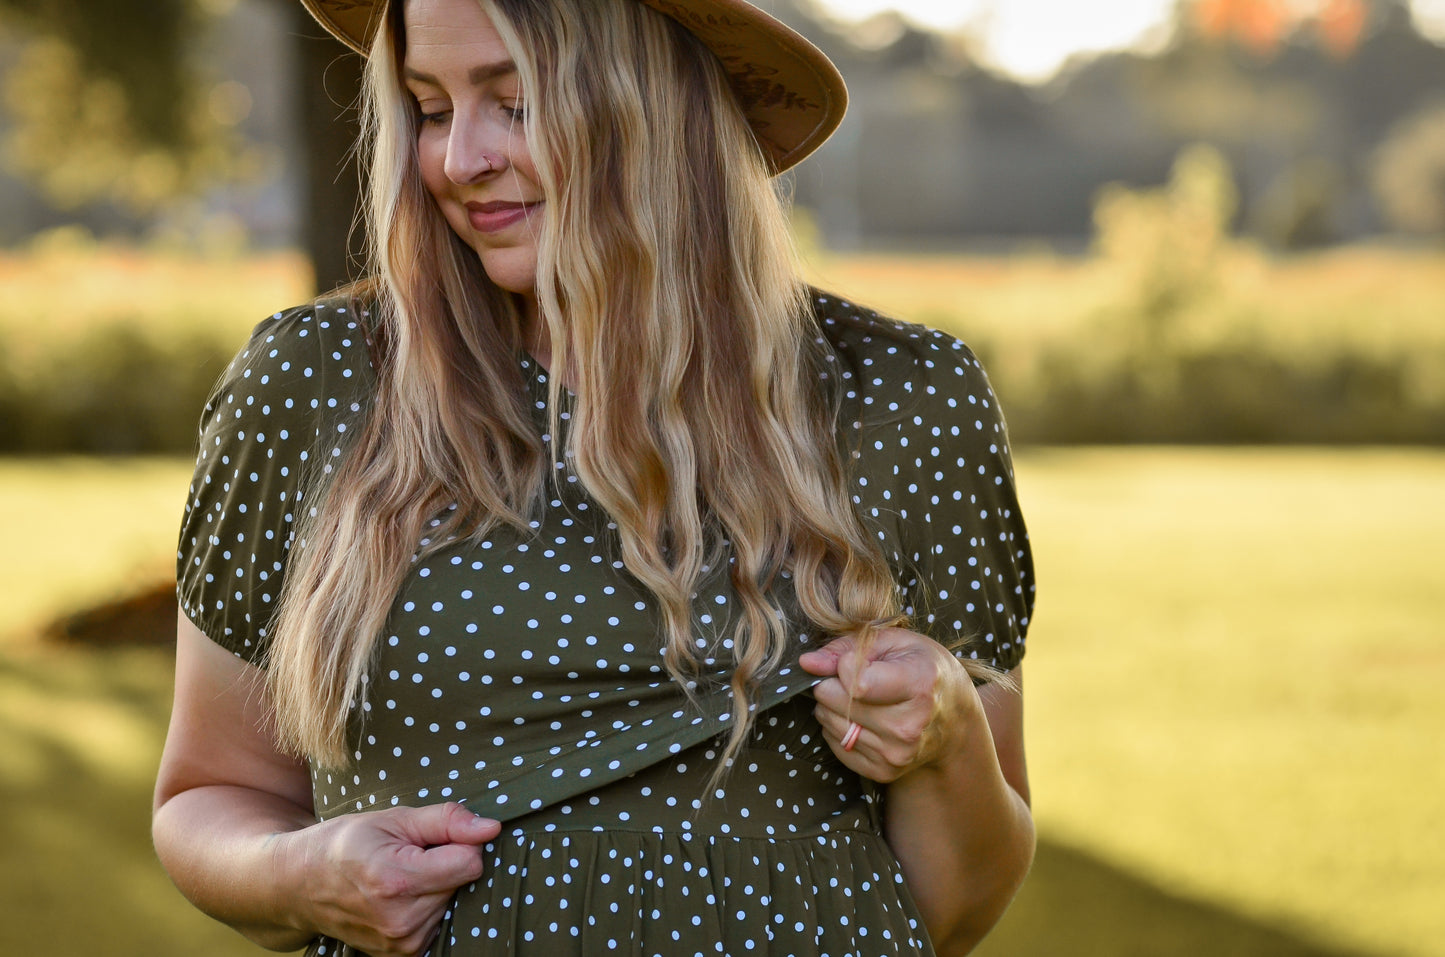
497 215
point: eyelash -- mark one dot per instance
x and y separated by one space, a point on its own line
516 113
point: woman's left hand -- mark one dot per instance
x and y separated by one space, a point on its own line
911 699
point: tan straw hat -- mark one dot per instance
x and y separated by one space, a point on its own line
791 93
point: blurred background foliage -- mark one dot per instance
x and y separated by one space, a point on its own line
1232 233
1173 194
108 101
1327 111
1168 328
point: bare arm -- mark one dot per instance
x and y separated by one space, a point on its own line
234 827
961 826
952 757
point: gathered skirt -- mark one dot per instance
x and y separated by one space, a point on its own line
784 857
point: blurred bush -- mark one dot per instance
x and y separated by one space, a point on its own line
1183 350
1175 331
112 349
120 390
1197 339
1171 330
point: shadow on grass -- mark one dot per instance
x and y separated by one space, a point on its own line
1076 905
78 875
80 736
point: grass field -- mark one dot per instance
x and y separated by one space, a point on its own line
1234 689
80 531
1233 707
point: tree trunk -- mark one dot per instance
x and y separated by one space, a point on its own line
330 81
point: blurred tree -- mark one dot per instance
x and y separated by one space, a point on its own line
1263 26
330 78
138 45
109 102
1259 24
1341 26
1300 126
1409 173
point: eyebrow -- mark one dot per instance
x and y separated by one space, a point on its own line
476 76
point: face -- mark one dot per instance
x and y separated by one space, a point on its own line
472 145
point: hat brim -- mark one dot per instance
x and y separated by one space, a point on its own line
791 93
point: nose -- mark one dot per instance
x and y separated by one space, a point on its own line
470 157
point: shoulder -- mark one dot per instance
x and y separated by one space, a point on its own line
306 342
933 475
918 416
894 369
297 362
273 424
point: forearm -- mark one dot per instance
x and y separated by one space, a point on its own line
227 850
964 838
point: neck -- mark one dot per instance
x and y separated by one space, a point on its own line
535 337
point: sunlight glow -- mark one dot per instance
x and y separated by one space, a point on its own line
1430 15
1032 39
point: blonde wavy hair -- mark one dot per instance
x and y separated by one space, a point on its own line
668 282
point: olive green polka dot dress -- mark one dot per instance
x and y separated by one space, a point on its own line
523 674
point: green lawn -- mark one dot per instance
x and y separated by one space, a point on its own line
1233 693
1234 690
79 531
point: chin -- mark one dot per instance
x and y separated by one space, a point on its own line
513 273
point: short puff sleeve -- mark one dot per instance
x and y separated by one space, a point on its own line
932 479
973 587
272 426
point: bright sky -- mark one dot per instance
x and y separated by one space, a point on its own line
1033 38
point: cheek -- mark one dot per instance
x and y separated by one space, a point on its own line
522 160
431 154
431 162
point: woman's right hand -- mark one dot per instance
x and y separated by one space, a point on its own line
235 828
381 880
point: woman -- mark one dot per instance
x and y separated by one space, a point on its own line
502 578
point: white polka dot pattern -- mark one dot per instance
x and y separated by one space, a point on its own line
523 674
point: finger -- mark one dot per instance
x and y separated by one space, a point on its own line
431 938
399 928
870 755
863 758
866 753
867 689
818 663
831 693
444 868
824 661
465 827
835 731
833 723
420 933
450 823
893 681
